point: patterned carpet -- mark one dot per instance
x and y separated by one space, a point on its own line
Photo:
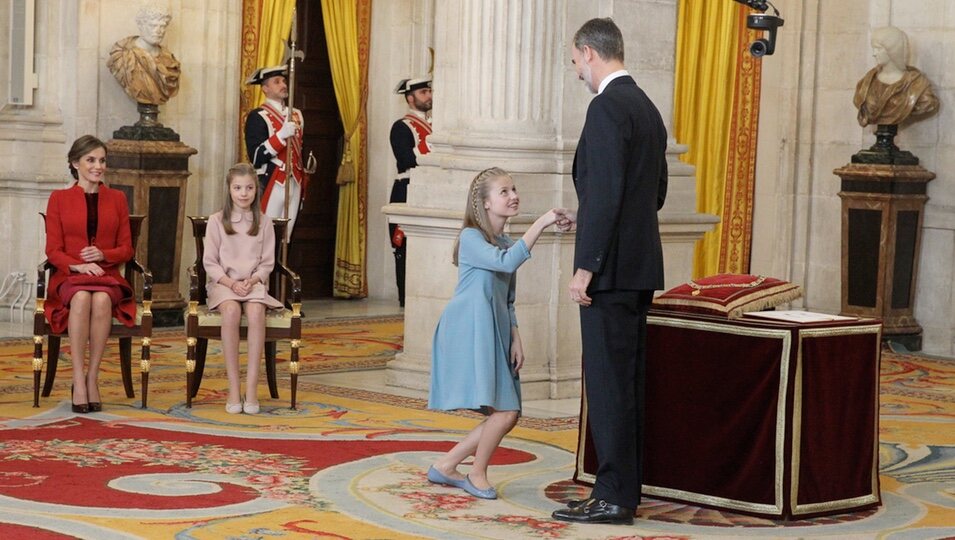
351 464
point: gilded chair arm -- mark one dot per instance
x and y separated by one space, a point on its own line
294 281
41 278
136 266
147 277
147 284
194 291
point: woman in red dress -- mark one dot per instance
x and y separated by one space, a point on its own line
87 240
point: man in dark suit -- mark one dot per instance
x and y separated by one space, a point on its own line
620 175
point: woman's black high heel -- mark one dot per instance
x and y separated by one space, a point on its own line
82 407
96 406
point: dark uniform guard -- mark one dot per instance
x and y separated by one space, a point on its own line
409 139
274 145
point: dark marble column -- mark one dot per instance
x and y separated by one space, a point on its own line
882 209
153 175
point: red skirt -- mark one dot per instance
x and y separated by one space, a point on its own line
106 284
120 295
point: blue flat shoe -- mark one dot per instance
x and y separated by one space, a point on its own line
437 477
489 493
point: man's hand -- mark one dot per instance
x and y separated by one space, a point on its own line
578 287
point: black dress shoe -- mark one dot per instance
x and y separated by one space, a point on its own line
595 511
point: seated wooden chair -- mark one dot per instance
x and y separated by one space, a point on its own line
203 324
143 328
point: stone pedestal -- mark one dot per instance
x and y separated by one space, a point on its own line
882 209
884 151
153 175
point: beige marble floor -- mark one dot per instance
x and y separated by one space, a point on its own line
373 380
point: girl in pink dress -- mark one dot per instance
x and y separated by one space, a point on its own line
239 254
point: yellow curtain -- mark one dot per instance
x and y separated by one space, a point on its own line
265 27
706 111
347 25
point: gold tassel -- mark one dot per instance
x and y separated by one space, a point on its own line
346 171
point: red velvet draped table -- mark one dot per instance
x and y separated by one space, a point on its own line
775 419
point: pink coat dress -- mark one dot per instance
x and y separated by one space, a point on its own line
238 256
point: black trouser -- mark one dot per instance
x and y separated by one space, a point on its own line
399 194
613 336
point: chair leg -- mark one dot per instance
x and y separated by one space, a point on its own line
37 366
190 368
145 385
293 369
126 364
144 365
52 357
271 349
202 345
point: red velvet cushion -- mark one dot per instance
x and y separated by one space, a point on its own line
728 295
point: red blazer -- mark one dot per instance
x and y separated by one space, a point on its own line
66 236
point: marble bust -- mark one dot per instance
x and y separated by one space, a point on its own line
147 71
892 91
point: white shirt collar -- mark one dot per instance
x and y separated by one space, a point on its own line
277 105
422 115
608 78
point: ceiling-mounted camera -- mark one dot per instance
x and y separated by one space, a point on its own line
763 46
761 21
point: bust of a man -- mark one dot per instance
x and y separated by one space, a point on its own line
893 90
147 71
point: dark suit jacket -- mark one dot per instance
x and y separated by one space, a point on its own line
620 174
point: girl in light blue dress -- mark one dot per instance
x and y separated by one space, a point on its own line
477 351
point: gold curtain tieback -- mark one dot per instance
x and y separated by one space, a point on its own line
346 171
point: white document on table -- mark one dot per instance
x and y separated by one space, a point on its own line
798 316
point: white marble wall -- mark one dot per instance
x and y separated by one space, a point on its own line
808 128
78 95
402 31
32 153
507 95
807 124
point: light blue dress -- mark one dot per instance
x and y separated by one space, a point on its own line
470 355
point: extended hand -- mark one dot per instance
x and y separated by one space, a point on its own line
566 220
